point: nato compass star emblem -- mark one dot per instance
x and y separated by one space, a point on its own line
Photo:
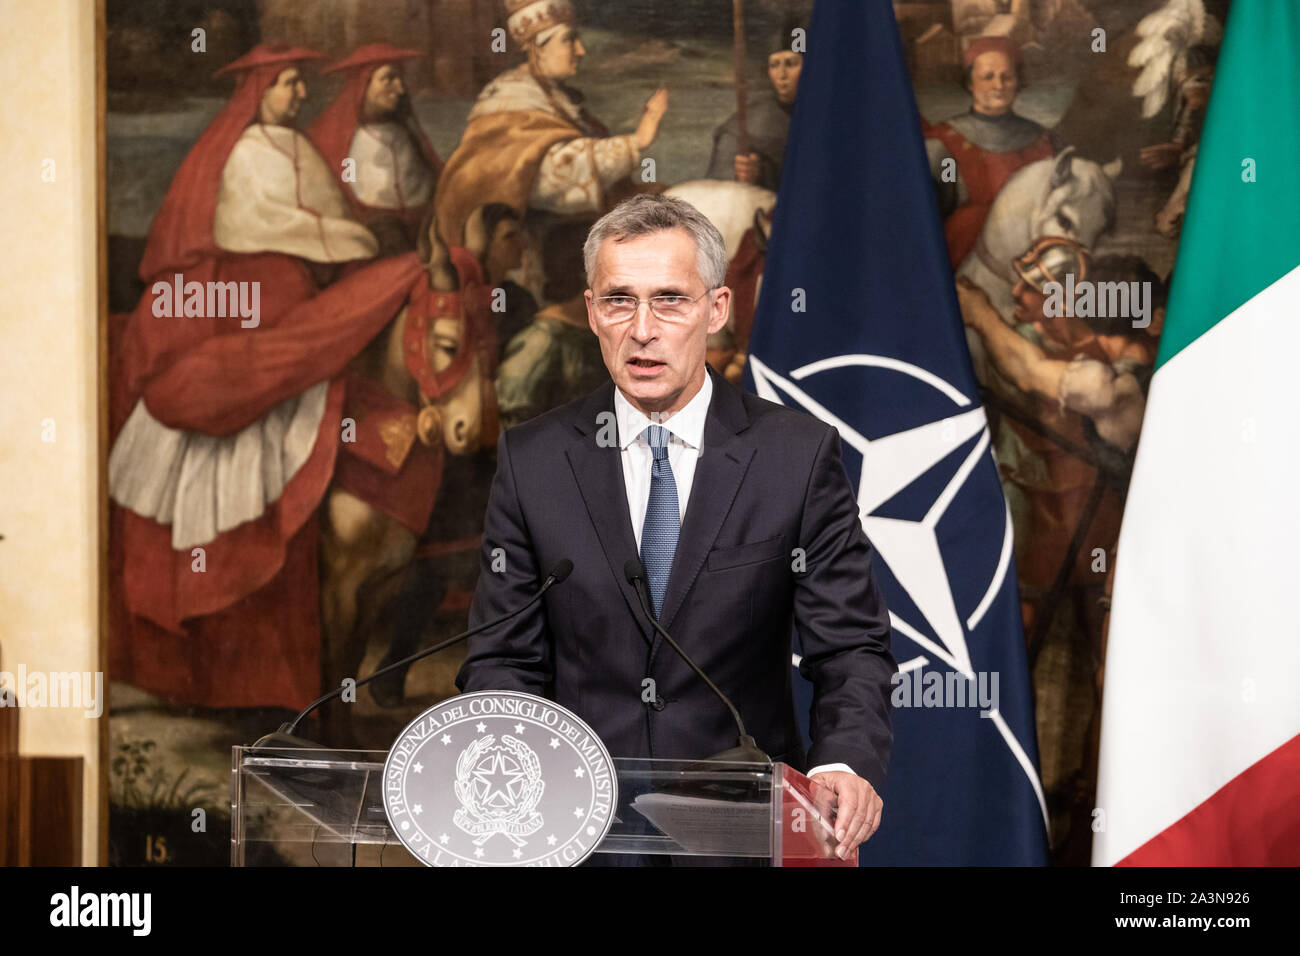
910 546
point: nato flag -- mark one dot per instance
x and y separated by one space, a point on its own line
858 324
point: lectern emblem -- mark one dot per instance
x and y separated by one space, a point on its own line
499 788
499 778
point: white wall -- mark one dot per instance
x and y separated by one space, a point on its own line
49 512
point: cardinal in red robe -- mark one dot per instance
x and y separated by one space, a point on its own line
372 141
986 145
225 405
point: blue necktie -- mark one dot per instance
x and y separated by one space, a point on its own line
662 518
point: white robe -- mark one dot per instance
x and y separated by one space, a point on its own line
278 195
392 173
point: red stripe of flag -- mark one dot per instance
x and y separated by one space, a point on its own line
1252 820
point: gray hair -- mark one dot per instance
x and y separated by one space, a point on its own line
644 215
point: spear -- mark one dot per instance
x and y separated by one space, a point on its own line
738 50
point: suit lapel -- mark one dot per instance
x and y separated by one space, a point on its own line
599 473
718 474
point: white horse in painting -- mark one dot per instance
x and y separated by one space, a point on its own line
732 207
1064 195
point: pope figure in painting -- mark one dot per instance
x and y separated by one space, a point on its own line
530 143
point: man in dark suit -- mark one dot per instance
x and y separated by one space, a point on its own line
740 511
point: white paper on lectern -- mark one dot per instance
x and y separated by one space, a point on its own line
714 827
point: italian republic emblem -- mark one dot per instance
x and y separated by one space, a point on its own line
499 787
499 778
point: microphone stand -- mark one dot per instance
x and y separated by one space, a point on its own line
286 736
746 749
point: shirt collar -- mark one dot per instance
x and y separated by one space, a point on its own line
687 424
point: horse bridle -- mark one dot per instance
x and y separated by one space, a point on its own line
470 305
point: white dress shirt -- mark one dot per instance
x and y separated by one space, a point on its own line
685 445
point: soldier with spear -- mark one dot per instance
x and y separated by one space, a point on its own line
750 145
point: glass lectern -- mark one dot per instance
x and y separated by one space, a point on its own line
293 807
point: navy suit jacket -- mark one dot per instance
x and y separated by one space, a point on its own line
769 481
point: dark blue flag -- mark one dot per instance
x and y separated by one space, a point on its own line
858 324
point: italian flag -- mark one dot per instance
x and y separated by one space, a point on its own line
1200 741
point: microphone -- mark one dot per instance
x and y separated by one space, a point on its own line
746 750
285 736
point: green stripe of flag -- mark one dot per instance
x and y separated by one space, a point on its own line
1240 237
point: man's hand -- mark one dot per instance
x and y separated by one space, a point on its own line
976 309
1160 156
859 811
746 168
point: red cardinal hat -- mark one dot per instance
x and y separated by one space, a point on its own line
994 44
270 55
372 54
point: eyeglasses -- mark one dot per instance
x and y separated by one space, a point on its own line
668 308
